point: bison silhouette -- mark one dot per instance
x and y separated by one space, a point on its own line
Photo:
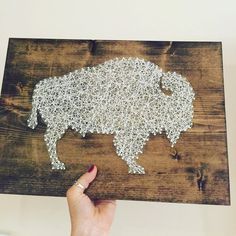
123 96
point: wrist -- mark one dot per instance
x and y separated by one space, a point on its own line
88 232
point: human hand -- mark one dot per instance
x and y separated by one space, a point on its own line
89 218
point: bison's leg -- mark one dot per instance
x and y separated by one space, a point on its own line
51 137
128 145
134 167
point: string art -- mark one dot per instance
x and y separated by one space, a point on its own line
122 96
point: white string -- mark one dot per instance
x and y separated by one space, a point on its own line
123 97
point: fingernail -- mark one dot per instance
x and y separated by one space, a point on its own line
90 169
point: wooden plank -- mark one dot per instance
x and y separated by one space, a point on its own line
24 161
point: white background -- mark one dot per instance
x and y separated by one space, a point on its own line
139 20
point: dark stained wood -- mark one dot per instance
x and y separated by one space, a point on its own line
24 160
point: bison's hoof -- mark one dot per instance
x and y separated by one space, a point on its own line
136 169
58 166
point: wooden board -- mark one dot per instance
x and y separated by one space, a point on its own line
201 151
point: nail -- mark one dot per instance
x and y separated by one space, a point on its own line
90 169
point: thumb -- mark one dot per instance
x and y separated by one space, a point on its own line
88 177
83 182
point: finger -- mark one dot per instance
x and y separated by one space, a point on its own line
88 177
107 207
100 202
106 204
83 182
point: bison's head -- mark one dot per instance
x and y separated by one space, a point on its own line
178 111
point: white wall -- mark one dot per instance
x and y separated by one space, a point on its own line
126 19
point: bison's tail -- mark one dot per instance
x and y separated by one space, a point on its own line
32 120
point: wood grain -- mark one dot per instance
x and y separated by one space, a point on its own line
24 161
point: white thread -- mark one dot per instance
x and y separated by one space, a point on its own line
122 97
